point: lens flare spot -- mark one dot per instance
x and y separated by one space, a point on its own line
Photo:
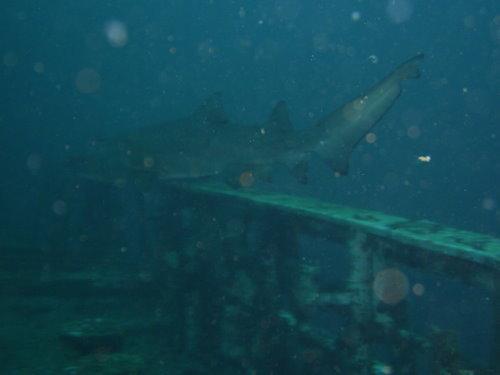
391 286
489 204
88 81
116 33
39 68
413 132
246 179
418 289
371 138
399 11
10 59
34 162
59 207
148 162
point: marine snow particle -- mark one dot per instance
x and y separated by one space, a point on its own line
59 207
373 59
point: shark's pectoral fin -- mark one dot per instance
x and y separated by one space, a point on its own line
300 171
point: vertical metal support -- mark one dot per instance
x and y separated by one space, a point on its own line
495 358
246 297
238 321
276 277
359 286
392 317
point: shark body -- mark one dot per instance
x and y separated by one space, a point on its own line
207 144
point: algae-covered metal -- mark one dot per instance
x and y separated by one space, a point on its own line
426 235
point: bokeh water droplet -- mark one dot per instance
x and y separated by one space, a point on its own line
116 33
88 81
399 11
59 207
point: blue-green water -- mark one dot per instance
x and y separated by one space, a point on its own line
72 71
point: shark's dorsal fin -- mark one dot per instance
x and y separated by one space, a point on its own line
279 120
211 111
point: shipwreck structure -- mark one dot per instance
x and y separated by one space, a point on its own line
249 282
260 304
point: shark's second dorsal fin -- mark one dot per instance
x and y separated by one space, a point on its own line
212 111
279 120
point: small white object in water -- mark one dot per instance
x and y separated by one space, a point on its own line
424 158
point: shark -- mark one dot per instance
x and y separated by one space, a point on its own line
207 144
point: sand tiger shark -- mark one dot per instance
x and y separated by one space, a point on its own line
207 144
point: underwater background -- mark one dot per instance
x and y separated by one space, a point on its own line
74 70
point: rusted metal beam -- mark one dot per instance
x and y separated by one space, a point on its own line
435 241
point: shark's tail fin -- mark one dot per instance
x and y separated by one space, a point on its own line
410 69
